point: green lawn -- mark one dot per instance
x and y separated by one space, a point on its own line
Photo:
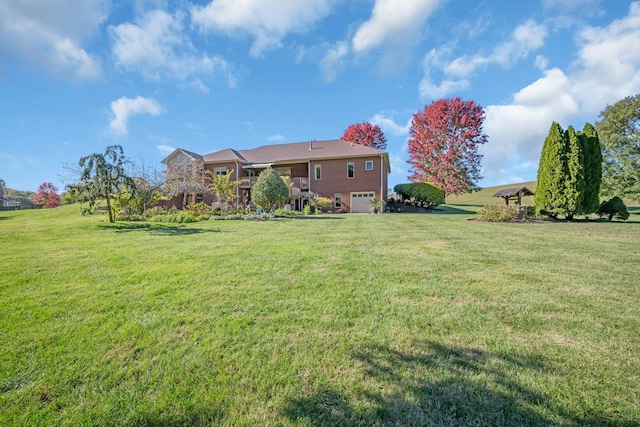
393 319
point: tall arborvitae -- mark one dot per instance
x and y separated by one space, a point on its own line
550 194
574 173
592 169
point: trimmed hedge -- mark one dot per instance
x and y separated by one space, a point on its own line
424 193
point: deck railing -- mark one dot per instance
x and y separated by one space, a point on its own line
299 182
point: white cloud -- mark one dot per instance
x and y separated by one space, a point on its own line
42 32
517 130
124 108
333 60
165 150
429 90
389 126
527 38
606 70
277 138
393 20
157 47
541 62
267 21
608 62
435 59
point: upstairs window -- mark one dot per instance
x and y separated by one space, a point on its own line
351 170
368 165
220 171
317 172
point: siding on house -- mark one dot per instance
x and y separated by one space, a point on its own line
299 161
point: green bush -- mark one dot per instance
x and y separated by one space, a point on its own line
199 209
284 212
613 208
498 213
423 193
325 204
181 217
269 190
129 214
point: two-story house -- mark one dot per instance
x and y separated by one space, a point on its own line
349 174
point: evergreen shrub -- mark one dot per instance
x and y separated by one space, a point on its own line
613 208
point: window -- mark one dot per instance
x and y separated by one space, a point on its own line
338 200
220 171
350 170
368 165
317 172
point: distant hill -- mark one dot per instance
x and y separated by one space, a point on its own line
24 197
485 196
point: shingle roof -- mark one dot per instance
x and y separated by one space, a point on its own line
298 151
288 153
511 192
226 155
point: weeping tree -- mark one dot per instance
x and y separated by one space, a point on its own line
184 178
102 177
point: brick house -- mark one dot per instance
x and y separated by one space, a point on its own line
349 174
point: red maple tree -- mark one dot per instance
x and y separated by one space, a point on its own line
443 145
366 134
47 195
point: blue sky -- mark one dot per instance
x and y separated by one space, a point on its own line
155 75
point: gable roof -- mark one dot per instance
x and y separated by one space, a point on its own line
288 153
311 150
191 154
227 155
512 192
292 152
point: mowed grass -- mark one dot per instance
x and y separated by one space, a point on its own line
393 319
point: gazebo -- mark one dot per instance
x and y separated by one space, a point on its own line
514 194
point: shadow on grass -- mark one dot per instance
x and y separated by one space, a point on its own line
440 386
451 210
155 228
316 217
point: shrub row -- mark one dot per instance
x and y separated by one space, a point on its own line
181 217
423 193
284 212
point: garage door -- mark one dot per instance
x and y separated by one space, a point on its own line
360 201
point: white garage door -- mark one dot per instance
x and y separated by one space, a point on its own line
360 201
